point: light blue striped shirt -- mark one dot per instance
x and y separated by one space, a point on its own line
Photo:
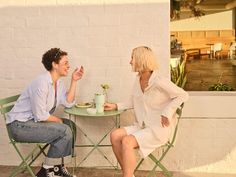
38 99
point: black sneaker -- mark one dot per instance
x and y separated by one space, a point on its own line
43 172
61 171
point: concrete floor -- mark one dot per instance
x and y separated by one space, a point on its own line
92 172
202 73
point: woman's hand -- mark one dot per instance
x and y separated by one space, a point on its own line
165 121
110 106
78 73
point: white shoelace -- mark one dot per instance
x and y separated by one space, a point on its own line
65 171
50 174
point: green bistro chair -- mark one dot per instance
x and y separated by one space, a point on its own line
165 150
6 104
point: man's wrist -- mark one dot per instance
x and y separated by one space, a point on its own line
73 80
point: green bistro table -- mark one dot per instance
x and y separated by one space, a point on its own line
82 113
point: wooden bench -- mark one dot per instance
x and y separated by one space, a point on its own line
193 53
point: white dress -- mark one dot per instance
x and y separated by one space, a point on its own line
161 97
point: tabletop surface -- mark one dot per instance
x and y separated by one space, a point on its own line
83 112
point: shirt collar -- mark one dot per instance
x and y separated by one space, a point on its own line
152 80
153 77
49 78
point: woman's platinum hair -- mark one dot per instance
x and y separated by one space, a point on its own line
144 59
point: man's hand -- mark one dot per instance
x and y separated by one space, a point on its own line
52 118
165 121
78 73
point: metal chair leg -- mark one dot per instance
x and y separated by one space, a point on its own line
25 165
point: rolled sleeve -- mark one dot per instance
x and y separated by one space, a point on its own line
125 105
66 104
121 106
177 95
63 99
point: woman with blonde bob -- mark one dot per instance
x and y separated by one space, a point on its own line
154 100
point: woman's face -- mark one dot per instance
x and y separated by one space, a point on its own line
63 66
132 63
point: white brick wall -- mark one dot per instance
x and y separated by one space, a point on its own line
97 34
100 34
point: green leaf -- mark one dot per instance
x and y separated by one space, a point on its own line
178 74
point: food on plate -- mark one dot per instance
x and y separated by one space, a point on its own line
84 105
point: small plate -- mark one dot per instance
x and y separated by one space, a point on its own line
84 105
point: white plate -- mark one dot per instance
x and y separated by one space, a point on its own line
84 105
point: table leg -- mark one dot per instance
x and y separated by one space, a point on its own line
95 146
212 52
211 56
117 121
117 126
73 148
98 144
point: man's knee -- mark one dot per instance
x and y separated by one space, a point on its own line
70 123
68 133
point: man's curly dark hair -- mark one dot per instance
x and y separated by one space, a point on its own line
52 55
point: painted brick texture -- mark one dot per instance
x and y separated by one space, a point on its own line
100 34
96 34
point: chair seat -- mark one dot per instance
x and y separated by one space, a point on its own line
6 104
157 160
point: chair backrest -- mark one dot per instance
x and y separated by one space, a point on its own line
179 114
6 104
232 46
217 47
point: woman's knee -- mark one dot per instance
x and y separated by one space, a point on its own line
117 135
129 141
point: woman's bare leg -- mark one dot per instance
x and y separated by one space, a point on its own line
116 137
129 144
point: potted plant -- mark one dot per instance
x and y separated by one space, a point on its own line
177 5
219 86
233 60
178 74
232 53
